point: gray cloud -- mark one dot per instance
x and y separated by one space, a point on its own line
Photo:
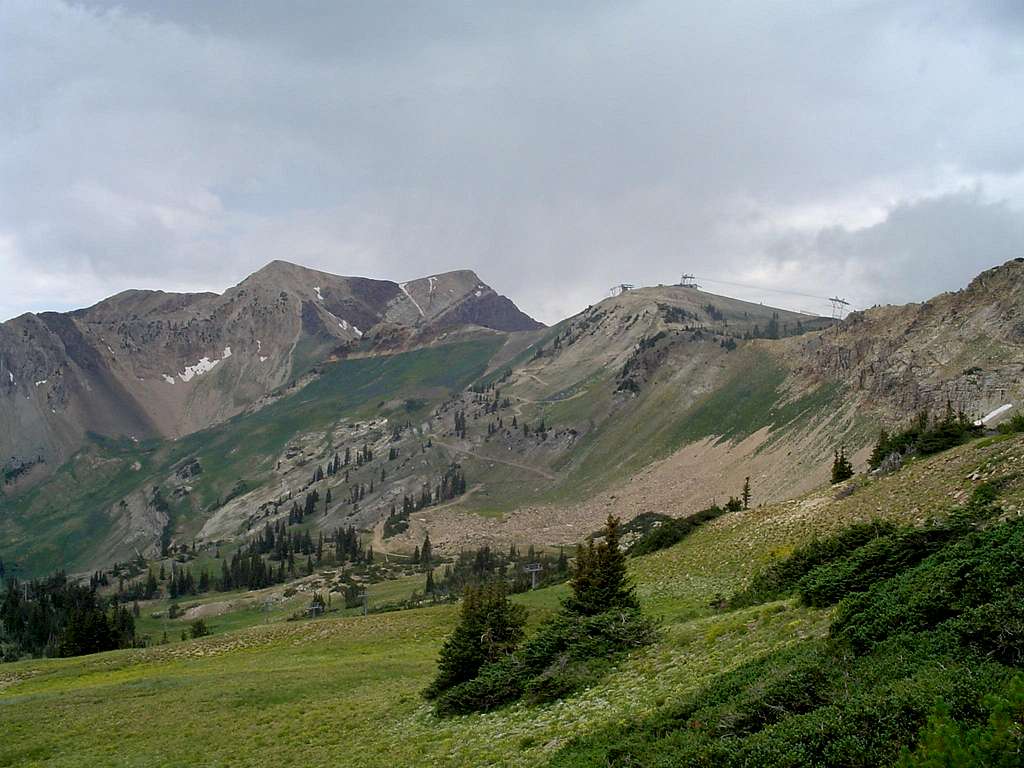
556 148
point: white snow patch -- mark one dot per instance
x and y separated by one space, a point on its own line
259 345
319 296
997 412
40 383
415 303
111 351
432 281
168 379
356 331
205 365
11 375
263 358
478 293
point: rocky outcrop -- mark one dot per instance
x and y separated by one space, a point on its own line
964 348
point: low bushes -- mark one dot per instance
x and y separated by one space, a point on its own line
923 664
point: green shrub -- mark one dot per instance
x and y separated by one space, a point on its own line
672 531
958 580
567 653
997 743
924 436
781 578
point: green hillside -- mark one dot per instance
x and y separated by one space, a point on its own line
345 691
60 523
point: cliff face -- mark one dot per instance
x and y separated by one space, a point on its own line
965 348
147 363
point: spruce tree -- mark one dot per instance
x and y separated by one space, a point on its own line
599 581
490 627
842 468
746 493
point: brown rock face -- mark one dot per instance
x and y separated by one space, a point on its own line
147 363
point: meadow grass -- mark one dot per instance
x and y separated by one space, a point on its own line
345 690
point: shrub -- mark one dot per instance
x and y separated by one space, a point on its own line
781 578
672 531
567 653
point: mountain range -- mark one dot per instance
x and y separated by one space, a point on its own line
155 418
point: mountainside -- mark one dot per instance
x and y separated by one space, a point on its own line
146 364
452 422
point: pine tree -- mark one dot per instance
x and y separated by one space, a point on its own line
599 581
429 588
489 628
746 493
426 553
842 468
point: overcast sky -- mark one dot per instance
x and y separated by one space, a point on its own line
869 149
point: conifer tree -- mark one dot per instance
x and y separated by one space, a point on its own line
746 493
489 627
599 581
842 468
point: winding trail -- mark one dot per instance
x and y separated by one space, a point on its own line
506 462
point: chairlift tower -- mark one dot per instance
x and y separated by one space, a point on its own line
621 288
688 281
533 569
838 310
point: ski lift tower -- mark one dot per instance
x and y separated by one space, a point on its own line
838 309
533 569
621 288
688 281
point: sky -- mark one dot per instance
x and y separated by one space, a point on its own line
871 150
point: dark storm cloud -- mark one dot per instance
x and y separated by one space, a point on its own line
556 148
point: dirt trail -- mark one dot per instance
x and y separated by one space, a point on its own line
506 462
377 539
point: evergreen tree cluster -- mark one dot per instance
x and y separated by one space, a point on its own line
923 436
483 666
449 486
842 467
57 617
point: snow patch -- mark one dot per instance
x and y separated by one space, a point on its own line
168 379
259 345
205 365
263 358
997 412
356 331
415 303
319 296
478 293
11 375
40 383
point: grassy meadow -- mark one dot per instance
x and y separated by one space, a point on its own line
344 689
